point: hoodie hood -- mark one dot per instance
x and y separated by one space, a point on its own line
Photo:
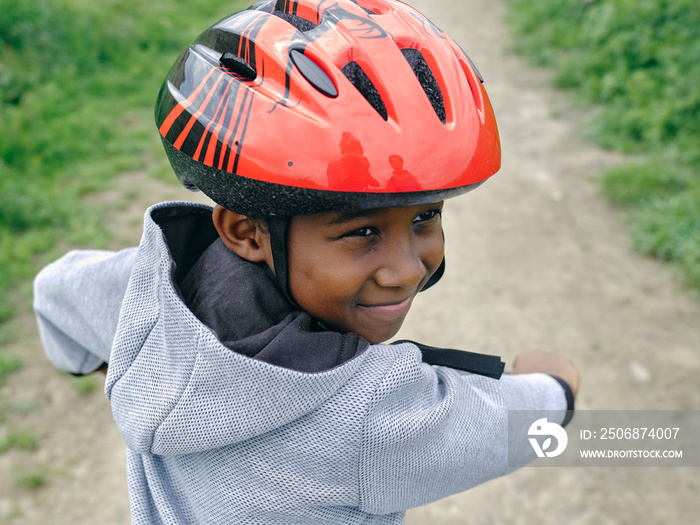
175 388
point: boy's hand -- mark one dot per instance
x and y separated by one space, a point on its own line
555 365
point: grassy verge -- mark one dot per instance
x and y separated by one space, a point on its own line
77 84
637 62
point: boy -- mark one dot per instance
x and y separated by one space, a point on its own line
246 370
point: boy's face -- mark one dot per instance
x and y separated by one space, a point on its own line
359 272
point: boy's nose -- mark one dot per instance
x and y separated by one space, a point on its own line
402 267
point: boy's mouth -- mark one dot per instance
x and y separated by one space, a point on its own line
390 309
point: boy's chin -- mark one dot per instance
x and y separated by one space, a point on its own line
376 338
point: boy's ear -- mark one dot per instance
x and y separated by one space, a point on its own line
242 235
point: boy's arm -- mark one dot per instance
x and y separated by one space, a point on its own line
432 431
77 300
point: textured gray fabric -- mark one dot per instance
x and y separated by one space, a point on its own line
216 437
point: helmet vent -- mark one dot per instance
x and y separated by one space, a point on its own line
311 71
356 75
302 24
427 80
238 65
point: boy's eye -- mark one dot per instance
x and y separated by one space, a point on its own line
427 216
361 232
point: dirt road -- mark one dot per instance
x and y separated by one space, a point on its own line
536 259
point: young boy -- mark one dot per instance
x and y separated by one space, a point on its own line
247 372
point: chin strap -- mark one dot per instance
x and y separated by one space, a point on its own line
436 276
279 228
438 273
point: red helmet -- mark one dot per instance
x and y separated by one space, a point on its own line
296 107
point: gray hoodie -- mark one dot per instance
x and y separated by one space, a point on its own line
217 436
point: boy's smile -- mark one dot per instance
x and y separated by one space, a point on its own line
359 272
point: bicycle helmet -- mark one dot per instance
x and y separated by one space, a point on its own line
310 106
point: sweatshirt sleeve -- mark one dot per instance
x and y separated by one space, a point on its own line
77 300
432 431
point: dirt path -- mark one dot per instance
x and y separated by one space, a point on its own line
536 259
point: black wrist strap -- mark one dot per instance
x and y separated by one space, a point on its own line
569 400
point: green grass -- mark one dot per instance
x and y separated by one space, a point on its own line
664 198
19 439
637 63
32 479
8 364
85 385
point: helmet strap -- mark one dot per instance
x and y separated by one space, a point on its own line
436 276
279 228
438 273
